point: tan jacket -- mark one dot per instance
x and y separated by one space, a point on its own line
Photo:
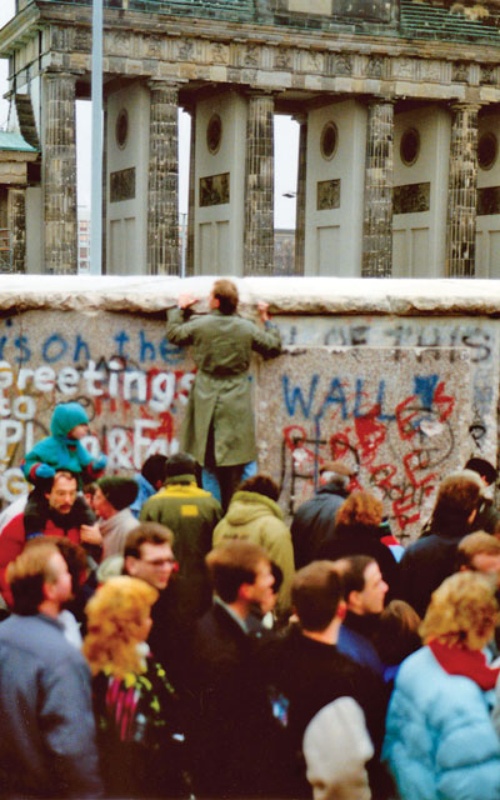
258 519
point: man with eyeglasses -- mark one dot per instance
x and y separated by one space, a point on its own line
149 554
150 557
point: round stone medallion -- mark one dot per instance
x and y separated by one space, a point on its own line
329 140
121 128
409 148
487 150
214 133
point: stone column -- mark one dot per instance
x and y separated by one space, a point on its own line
163 215
379 180
300 214
59 173
462 193
259 186
17 227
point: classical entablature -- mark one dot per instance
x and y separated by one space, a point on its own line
296 64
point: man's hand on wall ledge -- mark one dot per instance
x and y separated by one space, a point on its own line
263 309
186 301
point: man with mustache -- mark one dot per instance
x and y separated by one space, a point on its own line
62 517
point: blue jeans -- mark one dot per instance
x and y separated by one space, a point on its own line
211 479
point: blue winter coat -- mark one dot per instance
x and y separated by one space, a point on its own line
47 728
440 743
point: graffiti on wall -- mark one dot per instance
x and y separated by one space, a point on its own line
398 434
400 414
133 384
446 336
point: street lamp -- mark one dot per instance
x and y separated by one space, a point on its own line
96 179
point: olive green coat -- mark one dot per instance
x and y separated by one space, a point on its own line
221 393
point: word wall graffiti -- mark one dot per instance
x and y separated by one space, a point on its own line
444 335
395 418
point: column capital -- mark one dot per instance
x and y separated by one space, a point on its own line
462 105
163 84
53 74
380 100
168 88
256 93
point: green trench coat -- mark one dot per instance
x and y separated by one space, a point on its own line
222 347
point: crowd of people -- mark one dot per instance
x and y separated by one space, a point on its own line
169 635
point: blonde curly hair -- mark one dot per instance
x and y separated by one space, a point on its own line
116 615
463 612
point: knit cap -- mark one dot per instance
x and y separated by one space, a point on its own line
118 490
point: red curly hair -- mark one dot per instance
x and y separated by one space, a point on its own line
360 508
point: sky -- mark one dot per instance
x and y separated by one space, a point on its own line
286 146
6 12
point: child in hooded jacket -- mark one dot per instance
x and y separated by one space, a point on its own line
62 450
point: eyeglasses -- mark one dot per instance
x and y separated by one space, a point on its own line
158 563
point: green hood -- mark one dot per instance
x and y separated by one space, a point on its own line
248 506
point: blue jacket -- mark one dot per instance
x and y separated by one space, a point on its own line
314 522
146 490
60 452
360 649
47 729
440 743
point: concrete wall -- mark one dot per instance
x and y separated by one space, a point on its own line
398 378
398 417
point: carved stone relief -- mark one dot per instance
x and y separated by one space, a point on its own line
122 185
412 198
328 195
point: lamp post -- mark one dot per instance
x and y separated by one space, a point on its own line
97 137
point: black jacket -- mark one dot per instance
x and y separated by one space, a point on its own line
364 540
299 677
223 747
314 522
425 565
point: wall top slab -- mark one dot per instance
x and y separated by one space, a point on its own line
303 296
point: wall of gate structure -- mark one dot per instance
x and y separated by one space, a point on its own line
400 381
